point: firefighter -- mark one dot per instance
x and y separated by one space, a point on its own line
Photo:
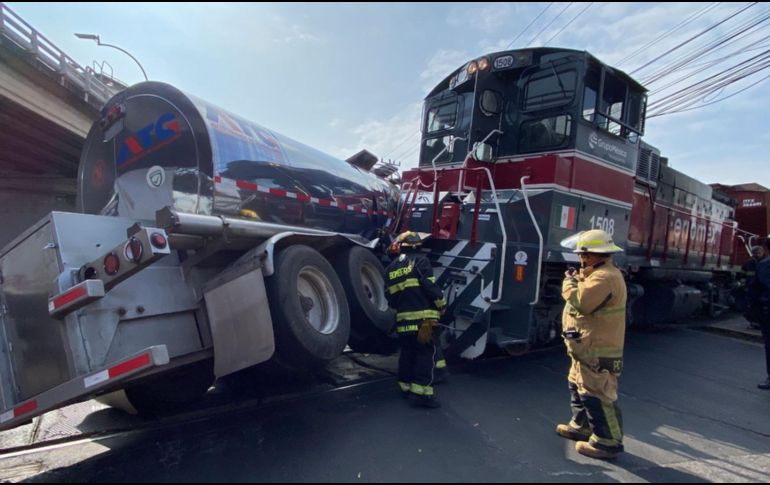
593 327
753 310
418 301
763 300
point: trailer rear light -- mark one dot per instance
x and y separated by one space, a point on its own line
133 250
111 264
158 240
75 297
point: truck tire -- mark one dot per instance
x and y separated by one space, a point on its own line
311 319
172 391
360 273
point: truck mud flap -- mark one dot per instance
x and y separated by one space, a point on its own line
84 385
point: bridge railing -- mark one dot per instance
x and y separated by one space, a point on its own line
45 52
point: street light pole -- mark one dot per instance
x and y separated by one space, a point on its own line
99 42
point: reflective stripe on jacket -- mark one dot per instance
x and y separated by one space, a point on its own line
412 290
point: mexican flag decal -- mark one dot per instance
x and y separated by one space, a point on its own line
567 217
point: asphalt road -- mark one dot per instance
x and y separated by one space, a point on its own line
691 408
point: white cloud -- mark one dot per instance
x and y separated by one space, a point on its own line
486 18
395 138
441 65
487 46
398 137
240 26
295 33
492 16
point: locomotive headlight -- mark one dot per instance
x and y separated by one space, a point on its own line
472 68
483 64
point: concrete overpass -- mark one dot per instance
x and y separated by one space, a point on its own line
47 105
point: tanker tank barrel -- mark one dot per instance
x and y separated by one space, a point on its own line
175 222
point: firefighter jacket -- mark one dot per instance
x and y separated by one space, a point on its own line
763 279
412 291
594 318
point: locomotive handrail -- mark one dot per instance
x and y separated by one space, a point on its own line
504 250
404 211
461 177
539 236
747 244
416 182
452 146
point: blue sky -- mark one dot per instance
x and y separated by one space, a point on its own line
342 77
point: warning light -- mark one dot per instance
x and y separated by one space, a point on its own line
158 240
111 264
520 273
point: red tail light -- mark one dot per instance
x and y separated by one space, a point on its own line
111 264
158 240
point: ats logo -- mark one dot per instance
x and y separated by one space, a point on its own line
149 139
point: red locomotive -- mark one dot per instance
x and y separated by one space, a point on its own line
523 148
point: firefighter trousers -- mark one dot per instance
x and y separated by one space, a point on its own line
416 365
596 411
764 325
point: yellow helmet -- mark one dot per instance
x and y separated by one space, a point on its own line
593 241
411 239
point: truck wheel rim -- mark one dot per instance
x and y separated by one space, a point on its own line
374 286
318 299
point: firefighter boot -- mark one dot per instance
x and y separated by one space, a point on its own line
440 372
573 433
404 387
593 451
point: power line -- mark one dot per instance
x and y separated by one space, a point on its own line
714 62
715 81
698 91
409 148
669 31
568 23
721 42
528 26
549 24
692 38
403 142
712 102
409 153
